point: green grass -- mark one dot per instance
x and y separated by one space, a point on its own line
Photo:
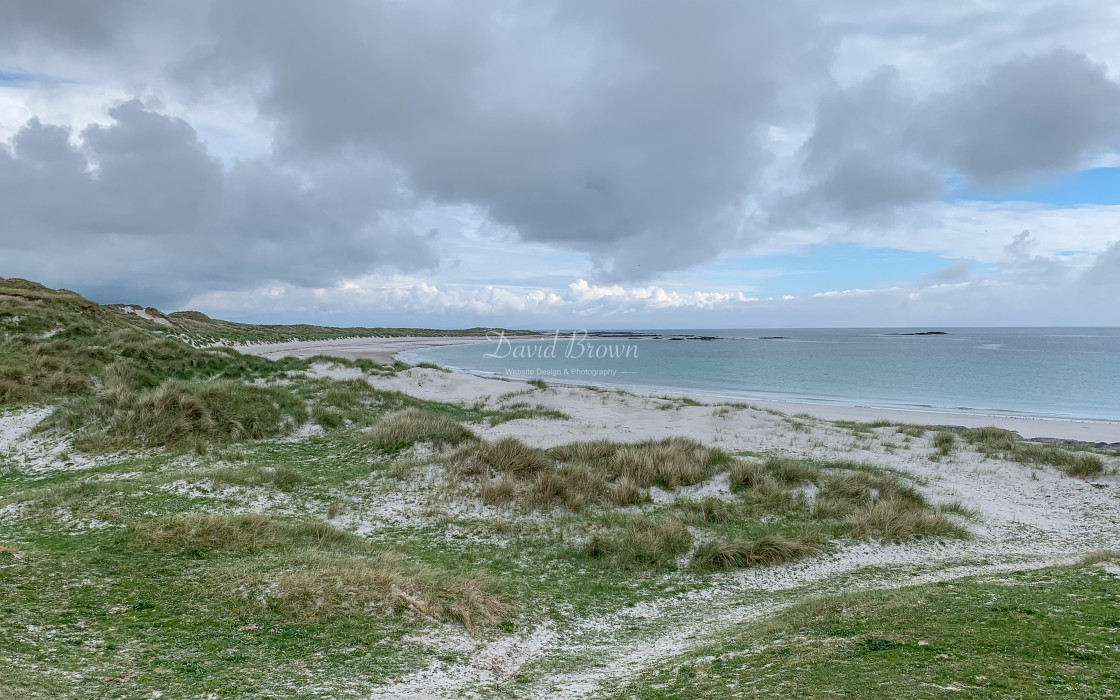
769 548
223 556
944 442
55 343
1043 634
1005 444
282 477
250 605
241 606
580 475
177 414
641 543
397 431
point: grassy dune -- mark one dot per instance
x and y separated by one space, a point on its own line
226 524
1050 633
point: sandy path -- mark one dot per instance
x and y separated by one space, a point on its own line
595 655
469 387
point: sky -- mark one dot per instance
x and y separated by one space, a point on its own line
586 163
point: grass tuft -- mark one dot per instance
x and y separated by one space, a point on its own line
790 470
176 414
506 456
403 429
770 548
707 511
668 463
627 492
202 532
575 486
641 543
283 478
944 442
1100 556
314 585
499 491
897 520
1005 444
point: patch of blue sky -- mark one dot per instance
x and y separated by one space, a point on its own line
822 268
12 78
1093 186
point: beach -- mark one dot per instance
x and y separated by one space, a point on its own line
418 493
380 350
587 405
1027 517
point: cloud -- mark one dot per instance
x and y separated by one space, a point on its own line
1106 268
72 23
141 202
408 297
877 147
1022 266
1000 298
959 271
280 145
629 130
1030 116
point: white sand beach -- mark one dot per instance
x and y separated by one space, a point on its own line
587 403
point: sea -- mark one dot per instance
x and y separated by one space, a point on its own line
1037 372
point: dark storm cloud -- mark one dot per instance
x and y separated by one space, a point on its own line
858 154
1031 116
618 128
877 148
636 131
68 23
144 194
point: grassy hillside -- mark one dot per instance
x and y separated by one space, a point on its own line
55 343
202 328
188 521
1050 633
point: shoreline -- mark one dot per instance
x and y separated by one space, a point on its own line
389 350
381 350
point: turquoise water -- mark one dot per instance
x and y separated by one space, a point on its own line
1064 372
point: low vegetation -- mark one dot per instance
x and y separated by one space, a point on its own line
770 548
397 431
251 528
997 443
778 509
1036 634
314 571
177 414
55 343
1005 444
943 441
637 542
